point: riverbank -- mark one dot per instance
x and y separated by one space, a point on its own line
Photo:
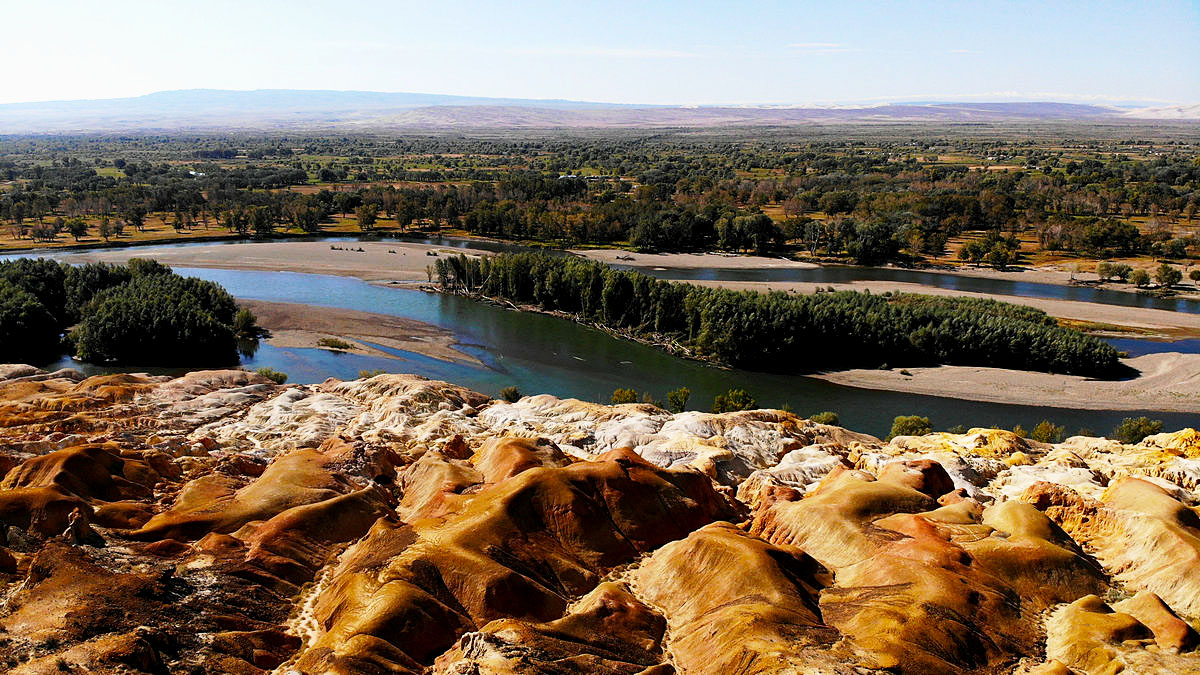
1167 382
366 260
710 260
303 326
1057 275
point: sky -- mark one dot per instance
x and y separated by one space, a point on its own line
678 52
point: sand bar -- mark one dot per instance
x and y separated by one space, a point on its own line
302 326
1168 382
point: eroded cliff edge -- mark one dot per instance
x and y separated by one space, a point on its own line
218 523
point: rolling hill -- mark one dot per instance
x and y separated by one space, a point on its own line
266 109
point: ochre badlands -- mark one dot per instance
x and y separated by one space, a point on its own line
220 523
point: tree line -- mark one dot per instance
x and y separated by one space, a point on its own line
781 332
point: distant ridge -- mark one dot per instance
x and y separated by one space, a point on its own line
283 109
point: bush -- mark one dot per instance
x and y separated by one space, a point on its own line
826 417
910 425
957 429
1133 430
1019 431
334 343
734 400
276 376
510 394
677 399
1139 278
1048 432
623 396
368 374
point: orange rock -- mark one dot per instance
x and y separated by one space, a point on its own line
1170 632
923 475
608 632
735 603
520 550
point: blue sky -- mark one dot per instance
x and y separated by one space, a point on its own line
630 52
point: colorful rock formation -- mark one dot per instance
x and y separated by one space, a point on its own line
220 523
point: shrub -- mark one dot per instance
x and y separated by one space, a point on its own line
733 400
367 374
957 429
1019 431
910 425
677 399
827 417
334 343
623 396
510 394
1132 430
1048 432
276 376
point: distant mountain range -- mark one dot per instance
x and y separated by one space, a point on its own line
267 109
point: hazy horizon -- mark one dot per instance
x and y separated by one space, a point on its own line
667 53
927 99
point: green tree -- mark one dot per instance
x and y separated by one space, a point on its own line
245 325
28 331
1140 278
910 425
367 215
1194 275
677 399
623 396
159 319
136 218
827 417
510 394
76 227
1167 276
1048 432
734 400
1132 430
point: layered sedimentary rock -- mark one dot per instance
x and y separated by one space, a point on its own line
221 523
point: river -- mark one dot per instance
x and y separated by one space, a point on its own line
543 354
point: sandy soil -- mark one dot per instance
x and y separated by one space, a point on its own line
296 325
690 260
375 262
1168 382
